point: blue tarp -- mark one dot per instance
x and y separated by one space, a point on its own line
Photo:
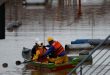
90 41
79 41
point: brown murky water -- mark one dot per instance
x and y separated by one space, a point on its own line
22 70
41 71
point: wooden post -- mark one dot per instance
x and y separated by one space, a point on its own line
79 8
2 21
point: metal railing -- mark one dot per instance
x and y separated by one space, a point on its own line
101 46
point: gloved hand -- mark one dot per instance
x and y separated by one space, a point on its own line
34 57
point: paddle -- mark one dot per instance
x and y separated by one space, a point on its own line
19 62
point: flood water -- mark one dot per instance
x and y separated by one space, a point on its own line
94 24
22 70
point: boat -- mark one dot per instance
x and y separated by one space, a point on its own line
94 42
84 44
50 67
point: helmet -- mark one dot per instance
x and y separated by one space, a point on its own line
38 42
50 39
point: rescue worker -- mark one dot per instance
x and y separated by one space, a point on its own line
40 50
58 54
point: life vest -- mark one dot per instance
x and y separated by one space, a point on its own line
58 48
42 51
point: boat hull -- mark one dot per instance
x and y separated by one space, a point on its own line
49 67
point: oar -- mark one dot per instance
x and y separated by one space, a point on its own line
19 62
4 65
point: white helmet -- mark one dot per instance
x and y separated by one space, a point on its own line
38 42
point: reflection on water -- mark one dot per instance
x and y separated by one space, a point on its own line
21 70
41 72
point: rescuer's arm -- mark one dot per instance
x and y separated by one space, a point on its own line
49 51
36 55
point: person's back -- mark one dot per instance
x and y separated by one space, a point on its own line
57 49
33 51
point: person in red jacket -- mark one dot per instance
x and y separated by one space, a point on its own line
40 50
57 52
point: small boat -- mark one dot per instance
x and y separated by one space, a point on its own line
50 67
94 42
